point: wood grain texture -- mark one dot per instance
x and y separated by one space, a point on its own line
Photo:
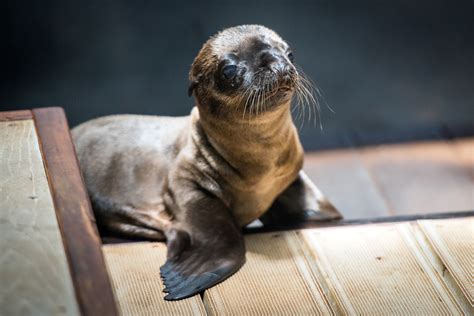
16 115
440 268
34 272
345 181
453 241
379 270
421 178
77 223
135 273
277 279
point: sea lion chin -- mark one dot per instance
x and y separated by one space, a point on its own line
194 181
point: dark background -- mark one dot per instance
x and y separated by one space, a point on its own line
385 67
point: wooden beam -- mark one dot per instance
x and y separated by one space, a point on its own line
74 213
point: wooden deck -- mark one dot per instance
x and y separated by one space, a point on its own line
51 260
410 268
400 179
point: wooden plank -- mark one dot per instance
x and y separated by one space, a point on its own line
453 241
74 213
345 181
440 268
421 177
34 272
16 115
379 270
135 273
465 151
277 279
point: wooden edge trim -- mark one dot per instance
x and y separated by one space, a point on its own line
74 213
335 223
16 115
363 221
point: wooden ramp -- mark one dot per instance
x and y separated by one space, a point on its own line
389 269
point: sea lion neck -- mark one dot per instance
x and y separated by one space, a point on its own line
252 146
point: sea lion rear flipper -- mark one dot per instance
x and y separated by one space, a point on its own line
192 268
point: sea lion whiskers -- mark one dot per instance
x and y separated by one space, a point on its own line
249 92
308 87
306 91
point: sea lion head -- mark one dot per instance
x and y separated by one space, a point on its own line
243 69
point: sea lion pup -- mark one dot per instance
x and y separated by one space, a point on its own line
195 181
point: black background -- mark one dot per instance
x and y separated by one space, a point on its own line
383 66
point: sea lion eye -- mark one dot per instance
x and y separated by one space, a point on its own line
229 71
291 57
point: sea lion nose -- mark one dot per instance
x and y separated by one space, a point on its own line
267 58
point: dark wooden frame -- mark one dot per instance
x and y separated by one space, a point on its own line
79 233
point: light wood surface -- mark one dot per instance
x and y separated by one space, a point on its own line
372 269
464 149
346 182
277 279
379 270
135 273
400 179
453 241
34 272
421 177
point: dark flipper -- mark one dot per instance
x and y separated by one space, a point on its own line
212 250
179 286
300 202
201 266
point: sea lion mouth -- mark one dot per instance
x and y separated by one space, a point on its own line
277 96
279 91
284 88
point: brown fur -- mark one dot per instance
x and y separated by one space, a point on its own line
196 180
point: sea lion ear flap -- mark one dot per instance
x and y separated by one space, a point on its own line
193 84
191 87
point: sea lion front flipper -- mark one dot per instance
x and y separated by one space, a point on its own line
300 202
212 250
198 268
